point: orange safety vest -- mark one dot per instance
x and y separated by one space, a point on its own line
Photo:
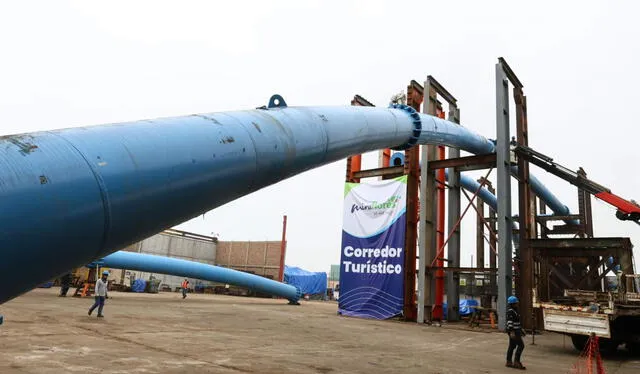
185 284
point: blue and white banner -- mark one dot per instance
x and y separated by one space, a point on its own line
372 259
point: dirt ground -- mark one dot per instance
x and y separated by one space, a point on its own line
161 333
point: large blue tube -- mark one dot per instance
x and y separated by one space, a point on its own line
191 269
469 184
70 196
438 131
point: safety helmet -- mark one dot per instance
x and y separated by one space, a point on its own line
105 273
512 300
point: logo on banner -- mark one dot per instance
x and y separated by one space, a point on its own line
372 258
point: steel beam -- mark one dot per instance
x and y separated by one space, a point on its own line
453 254
586 220
566 230
283 249
458 269
509 73
394 171
460 164
493 238
503 165
557 218
467 163
441 90
480 234
582 243
412 169
577 253
427 236
526 212
432 89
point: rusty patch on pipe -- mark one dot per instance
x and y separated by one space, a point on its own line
22 142
228 139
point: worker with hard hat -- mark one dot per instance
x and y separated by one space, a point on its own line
100 294
515 331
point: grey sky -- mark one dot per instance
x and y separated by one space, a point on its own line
74 63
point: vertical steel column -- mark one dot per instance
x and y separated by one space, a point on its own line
385 158
480 234
433 89
493 240
283 248
412 169
427 237
584 208
441 208
503 166
480 249
543 211
586 224
438 305
526 283
453 253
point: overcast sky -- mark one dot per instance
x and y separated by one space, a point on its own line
75 63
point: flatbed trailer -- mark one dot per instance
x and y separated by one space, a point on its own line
613 316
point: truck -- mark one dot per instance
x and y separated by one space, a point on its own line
611 314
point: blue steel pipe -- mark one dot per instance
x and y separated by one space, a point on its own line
191 269
441 132
466 182
70 196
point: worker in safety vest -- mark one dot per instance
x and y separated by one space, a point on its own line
515 331
100 295
185 287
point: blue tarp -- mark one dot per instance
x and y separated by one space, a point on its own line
466 307
139 285
308 282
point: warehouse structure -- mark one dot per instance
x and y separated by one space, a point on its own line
260 257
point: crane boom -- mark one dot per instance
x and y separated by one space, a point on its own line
626 210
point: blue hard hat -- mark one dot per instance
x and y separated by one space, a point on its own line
105 273
512 300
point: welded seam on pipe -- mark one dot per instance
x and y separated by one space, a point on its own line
253 143
102 187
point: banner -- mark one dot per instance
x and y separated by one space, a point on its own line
372 259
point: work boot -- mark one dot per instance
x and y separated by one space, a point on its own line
518 365
509 364
100 316
89 313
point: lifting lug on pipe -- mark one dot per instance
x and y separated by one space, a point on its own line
276 101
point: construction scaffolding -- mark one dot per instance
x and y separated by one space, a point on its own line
527 256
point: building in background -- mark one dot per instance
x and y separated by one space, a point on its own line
171 243
261 258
